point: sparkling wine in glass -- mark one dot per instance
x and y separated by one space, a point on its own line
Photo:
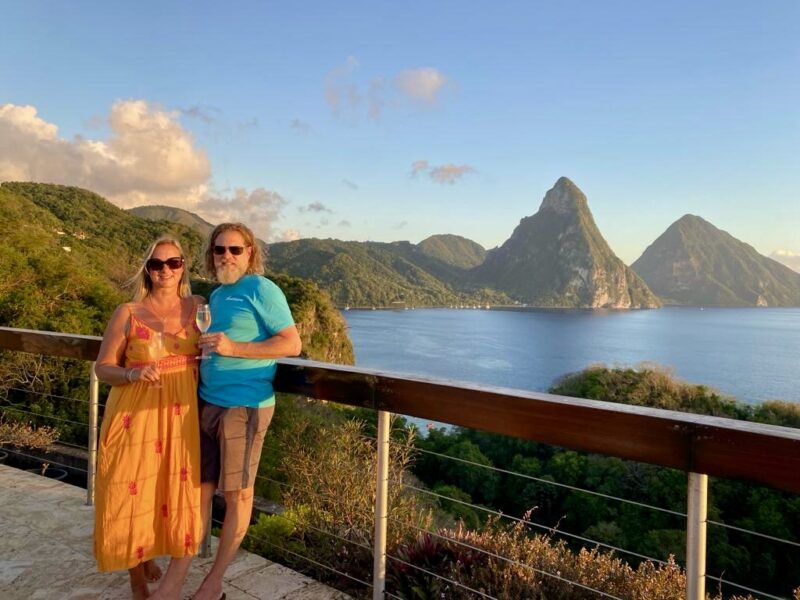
203 319
156 351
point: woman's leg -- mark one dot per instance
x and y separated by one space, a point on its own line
152 571
138 582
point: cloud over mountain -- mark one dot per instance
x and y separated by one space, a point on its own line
788 258
148 158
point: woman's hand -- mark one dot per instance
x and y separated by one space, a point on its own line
148 374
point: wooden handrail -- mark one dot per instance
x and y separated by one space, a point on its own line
715 446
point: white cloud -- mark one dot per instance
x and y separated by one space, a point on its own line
346 97
344 223
258 209
788 258
290 235
444 174
419 166
147 159
340 92
316 207
421 85
450 173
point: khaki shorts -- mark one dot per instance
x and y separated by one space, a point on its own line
230 444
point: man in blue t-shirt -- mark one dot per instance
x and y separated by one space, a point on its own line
251 326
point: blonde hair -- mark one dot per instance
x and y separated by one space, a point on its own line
256 264
141 282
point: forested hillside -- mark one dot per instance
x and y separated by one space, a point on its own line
68 253
378 274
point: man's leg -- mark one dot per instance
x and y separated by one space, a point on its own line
171 587
241 440
238 508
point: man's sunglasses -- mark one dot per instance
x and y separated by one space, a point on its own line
156 264
235 250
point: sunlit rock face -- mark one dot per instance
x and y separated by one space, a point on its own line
558 258
694 263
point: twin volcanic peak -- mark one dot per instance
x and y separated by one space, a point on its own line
694 263
558 257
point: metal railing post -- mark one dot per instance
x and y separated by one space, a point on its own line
94 403
696 521
381 507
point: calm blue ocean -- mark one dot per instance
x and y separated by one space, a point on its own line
751 354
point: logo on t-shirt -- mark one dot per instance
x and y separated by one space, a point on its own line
234 298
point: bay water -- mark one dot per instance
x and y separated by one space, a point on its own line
752 354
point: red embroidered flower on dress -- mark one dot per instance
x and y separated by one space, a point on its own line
132 488
143 333
184 473
187 541
126 421
140 553
159 446
176 345
176 408
163 510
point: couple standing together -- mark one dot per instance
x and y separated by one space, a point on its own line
168 441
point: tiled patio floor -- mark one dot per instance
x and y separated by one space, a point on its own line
46 552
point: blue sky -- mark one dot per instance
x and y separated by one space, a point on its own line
389 120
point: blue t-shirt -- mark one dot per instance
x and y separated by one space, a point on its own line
251 310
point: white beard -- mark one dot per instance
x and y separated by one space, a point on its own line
228 274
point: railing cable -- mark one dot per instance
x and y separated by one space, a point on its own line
751 532
46 395
442 577
743 587
554 483
41 416
44 460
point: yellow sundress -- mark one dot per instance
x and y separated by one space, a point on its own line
147 492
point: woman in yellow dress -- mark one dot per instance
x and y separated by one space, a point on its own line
147 492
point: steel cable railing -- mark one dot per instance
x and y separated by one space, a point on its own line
756 452
458 542
585 540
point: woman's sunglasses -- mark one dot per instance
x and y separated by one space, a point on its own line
155 264
235 250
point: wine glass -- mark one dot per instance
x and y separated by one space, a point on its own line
203 319
156 351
